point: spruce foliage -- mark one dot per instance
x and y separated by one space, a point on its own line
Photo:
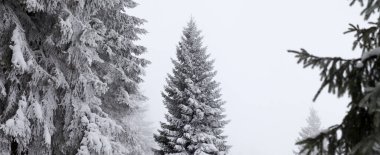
69 76
195 117
359 132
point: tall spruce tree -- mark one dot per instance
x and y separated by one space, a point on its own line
359 132
69 75
313 128
195 117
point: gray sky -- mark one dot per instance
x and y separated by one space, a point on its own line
267 93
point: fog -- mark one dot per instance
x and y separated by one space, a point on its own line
268 95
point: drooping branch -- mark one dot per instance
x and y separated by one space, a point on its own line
365 38
341 76
335 72
370 7
318 142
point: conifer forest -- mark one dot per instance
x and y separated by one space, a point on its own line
189 77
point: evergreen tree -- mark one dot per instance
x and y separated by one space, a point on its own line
312 129
69 75
359 132
195 117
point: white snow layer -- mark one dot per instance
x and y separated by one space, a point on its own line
17 48
66 30
367 55
374 52
2 89
33 6
47 135
35 111
359 64
18 125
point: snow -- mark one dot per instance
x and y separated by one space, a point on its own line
181 141
181 153
185 109
187 135
60 82
107 147
187 127
194 104
47 135
33 6
374 52
35 111
22 103
60 78
17 48
200 152
92 56
90 37
18 125
94 140
178 147
84 120
359 64
66 30
209 148
171 133
376 147
2 89
202 137
199 114
83 150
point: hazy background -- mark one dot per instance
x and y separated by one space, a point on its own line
268 95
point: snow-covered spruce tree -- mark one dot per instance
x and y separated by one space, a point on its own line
195 117
312 129
359 132
69 75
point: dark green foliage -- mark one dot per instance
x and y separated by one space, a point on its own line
370 7
335 72
341 76
359 132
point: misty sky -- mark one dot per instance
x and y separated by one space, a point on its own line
268 95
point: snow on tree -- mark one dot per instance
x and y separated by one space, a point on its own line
359 132
69 78
312 129
195 118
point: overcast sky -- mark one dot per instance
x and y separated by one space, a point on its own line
268 95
